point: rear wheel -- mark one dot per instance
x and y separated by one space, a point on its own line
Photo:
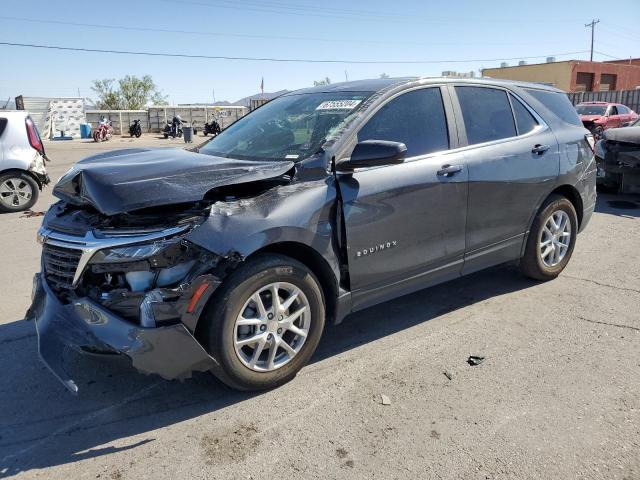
18 192
264 323
551 239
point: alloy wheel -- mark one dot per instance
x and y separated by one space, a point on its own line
272 327
555 239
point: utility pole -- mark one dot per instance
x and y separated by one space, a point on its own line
593 27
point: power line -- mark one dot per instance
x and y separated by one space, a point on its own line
358 15
607 55
272 59
239 35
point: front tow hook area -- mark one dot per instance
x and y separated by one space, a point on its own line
171 351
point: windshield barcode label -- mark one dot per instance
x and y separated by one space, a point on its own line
338 105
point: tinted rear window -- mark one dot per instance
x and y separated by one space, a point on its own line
487 114
524 120
3 125
558 103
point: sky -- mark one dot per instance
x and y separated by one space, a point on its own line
459 35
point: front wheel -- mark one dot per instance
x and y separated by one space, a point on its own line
264 323
551 240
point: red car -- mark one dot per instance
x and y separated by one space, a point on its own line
598 116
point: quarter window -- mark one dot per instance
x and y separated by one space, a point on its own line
416 119
525 122
487 114
558 103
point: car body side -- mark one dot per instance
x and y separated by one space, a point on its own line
324 218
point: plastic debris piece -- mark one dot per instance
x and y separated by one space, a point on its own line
474 360
31 213
385 400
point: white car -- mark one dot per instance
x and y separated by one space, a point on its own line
22 158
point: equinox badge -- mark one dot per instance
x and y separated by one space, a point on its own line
376 249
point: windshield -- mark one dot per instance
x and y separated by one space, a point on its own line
591 109
291 127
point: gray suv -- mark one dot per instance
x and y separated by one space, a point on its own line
325 201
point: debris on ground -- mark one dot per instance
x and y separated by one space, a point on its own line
474 360
30 213
385 400
448 375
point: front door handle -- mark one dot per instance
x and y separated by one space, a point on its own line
449 170
540 149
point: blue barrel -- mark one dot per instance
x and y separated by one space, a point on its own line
85 130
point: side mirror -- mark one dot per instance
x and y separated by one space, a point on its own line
374 153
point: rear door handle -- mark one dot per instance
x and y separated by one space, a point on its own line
540 149
449 170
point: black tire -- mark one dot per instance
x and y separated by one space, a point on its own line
26 180
218 320
531 263
138 133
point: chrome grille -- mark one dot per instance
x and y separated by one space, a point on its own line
60 265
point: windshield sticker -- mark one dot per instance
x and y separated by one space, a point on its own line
338 105
291 157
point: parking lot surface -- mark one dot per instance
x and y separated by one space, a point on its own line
557 395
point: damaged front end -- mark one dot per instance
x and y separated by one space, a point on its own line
125 284
618 159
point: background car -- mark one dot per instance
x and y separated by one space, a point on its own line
598 116
618 159
22 170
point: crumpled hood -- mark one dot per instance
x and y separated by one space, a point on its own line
590 118
624 135
124 180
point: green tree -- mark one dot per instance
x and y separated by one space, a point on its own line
108 98
324 81
133 93
159 99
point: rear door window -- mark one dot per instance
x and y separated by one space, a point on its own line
415 118
558 103
487 114
3 125
525 122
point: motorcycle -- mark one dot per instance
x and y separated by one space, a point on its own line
173 128
104 131
135 129
211 127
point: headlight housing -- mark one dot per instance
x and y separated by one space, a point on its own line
132 253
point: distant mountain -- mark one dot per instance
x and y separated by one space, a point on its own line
268 95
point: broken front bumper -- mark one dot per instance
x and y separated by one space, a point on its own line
83 325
